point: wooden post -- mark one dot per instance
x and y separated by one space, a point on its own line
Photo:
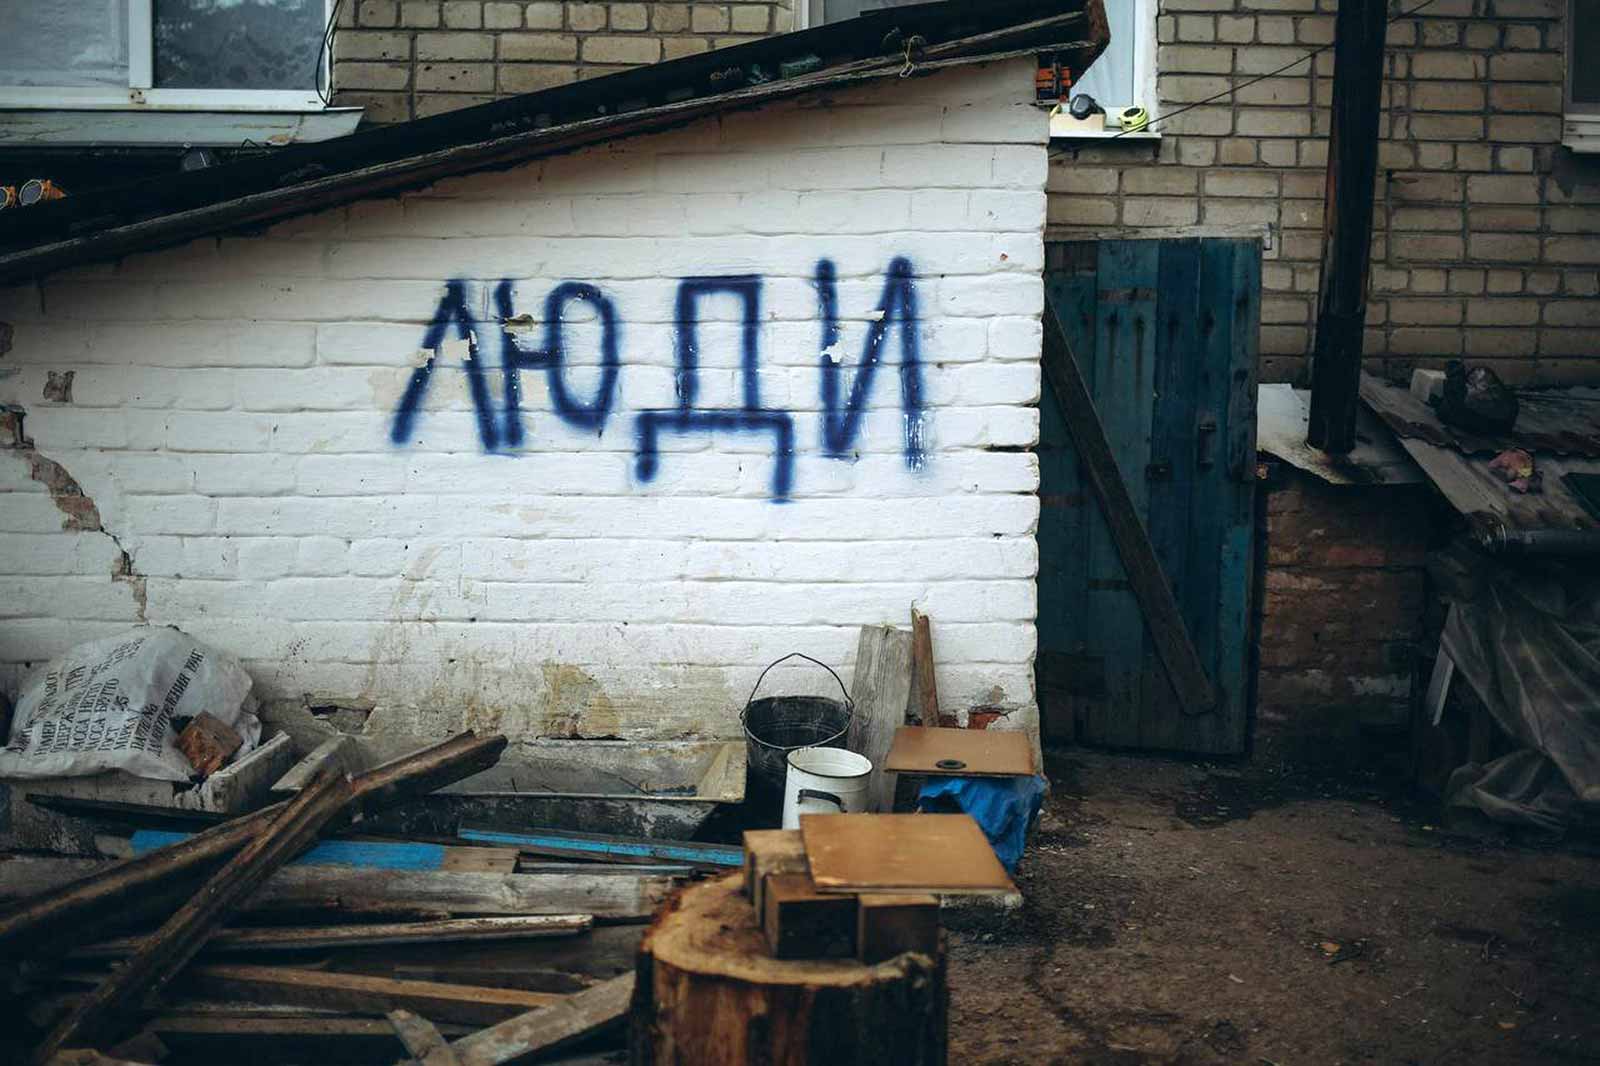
1347 224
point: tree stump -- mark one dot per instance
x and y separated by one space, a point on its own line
709 994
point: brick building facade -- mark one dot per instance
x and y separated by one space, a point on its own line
404 59
1487 238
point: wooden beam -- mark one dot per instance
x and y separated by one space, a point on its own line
152 886
327 937
525 1038
103 1012
1163 619
361 994
422 1039
923 702
1347 223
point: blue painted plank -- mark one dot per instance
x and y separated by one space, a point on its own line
1123 391
1064 676
612 848
1237 563
1173 454
378 855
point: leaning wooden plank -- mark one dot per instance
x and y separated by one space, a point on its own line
1163 619
422 1038
607 848
149 886
524 1038
923 701
361 994
881 691
103 1012
327 937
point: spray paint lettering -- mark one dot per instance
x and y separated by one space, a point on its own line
842 409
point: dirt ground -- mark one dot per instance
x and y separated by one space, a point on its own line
1188 914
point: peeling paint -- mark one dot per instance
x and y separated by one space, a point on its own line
79 510
58 387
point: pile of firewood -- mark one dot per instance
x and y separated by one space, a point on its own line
214 948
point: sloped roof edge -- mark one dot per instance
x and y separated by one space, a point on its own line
386 160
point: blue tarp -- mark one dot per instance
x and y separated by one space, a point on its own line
1004 806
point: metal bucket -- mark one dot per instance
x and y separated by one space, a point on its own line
776 725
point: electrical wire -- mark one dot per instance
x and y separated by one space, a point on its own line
325 55
1314 53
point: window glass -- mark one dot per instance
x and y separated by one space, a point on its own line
77 43
835 10
1110 78
1584 56
238 44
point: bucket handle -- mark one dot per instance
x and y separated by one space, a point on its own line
849 704
817 794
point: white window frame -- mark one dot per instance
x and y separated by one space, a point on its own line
1145 47
141 95
1580 124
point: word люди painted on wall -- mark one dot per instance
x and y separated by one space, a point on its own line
842 409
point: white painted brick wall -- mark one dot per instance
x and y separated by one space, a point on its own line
233 401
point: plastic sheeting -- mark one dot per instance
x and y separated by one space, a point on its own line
1529 645
1005 808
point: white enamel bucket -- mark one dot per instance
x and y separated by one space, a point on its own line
824 781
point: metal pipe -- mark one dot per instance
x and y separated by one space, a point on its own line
1496 538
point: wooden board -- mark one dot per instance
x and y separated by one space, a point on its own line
890 925
802 923
528 1036
361 994
922 704
366 934
944 853
607 847
881 691
767 852
373 854
981 752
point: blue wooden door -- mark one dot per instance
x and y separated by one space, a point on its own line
1165 332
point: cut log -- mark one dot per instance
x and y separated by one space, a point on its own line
768 852
802 923
360 994
710 995
529 1036
102 1013
152 886
881 692
886 926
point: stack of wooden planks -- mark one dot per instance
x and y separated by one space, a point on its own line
866 886
287 935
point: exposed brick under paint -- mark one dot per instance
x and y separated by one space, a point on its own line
1342 609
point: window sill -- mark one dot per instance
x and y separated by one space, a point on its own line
1581 132
1105 135
158 129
